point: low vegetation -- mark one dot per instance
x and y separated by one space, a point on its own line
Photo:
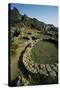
42 38
44 52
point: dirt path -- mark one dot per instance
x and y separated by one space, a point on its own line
21 66
14 70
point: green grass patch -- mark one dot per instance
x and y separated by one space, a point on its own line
44 52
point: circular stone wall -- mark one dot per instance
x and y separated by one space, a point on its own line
41 58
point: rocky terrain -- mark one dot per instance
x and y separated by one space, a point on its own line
25 32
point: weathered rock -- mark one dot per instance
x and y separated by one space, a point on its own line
48 67
41 71
42 66
54 68
56 64
52 74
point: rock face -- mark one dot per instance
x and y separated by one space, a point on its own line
17 17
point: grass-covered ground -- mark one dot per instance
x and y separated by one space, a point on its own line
26 34
44 52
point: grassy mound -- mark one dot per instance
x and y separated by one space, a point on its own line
44 52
